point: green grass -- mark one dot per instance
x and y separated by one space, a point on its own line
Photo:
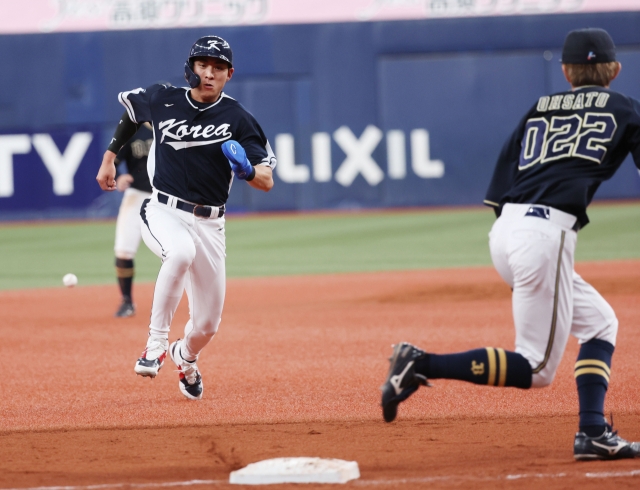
613 233
39 255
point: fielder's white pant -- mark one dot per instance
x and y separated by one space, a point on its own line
192 250
128 223
535 256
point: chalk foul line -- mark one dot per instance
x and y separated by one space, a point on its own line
390 481
128 485
475 478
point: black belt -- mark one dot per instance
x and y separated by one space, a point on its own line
195 209
543 212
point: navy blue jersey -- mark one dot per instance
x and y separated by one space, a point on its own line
564 148
135 153
186 158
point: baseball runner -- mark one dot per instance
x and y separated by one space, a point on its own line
202 139
545 177
136 187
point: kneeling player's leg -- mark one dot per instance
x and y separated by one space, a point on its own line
167 233
206 288
595 325
535 257
490 366
540 254
486 366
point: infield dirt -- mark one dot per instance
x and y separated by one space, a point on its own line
295 371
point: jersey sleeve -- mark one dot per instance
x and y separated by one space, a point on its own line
137 102
506 168
255 143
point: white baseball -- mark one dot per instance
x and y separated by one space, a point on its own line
70 280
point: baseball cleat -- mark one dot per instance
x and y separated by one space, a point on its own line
126 309
190 381
402 380
152 357
608 446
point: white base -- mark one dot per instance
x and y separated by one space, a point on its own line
296 470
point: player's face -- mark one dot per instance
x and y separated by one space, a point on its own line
214 74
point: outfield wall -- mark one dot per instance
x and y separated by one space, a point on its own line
367 114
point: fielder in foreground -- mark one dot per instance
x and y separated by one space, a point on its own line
202 139
545 177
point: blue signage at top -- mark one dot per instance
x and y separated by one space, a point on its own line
376 114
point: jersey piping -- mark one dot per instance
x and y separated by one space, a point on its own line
554 317
123 97
151 161
143 215
222 96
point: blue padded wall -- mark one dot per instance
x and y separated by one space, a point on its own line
464 82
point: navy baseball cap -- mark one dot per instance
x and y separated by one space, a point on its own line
212 47
588 47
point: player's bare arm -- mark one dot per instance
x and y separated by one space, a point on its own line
263 180
107 174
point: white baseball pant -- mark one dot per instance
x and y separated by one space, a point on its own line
192 250
535 256
128 232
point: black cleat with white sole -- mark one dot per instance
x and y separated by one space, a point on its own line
402 380
190 380
152 358
608 446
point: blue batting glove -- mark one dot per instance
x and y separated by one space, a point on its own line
238 160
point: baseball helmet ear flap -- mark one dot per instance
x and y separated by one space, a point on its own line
192 79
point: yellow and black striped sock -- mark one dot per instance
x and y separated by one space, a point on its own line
124 273
489 366
592 373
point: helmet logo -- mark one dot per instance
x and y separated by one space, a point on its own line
214 43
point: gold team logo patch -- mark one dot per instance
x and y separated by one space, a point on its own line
477 368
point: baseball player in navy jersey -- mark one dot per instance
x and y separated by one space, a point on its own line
202 140
545 177
136 187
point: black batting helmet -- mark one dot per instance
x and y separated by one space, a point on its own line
211 47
